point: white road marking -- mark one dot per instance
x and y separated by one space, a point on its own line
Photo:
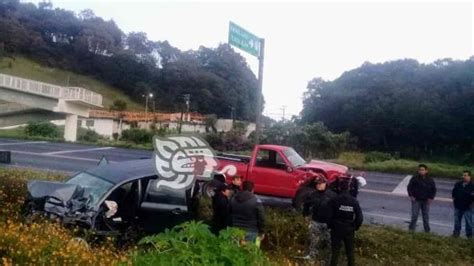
74 151
22 143
58 156
402 187
399 195
401 218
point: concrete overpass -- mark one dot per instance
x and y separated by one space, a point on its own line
69 101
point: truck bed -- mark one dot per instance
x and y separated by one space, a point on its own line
233 157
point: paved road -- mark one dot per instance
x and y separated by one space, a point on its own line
383 200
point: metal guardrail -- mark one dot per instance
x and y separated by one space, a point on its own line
50 90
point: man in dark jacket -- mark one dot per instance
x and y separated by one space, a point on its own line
247 212
462 199
346 218
220 207
317 204
236 185
422 191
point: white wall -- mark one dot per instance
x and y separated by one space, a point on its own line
250 128
224 125
227 125
104 127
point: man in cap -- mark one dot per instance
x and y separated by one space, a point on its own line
346 218
317 205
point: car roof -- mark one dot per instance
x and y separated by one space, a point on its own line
120 172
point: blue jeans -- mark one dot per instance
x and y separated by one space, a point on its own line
416 206
468 216
251 236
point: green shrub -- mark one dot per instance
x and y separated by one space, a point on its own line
376 156
42 129
118 105
215 140
137 135
192 243
89 135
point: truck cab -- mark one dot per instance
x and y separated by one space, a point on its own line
278 170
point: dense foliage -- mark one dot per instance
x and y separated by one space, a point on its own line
217 79
42 129
417 109
310 140
193 243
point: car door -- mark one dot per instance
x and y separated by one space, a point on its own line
163 207
270 174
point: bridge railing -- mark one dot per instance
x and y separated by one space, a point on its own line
50 90
77 93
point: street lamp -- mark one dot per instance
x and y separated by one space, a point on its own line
150 95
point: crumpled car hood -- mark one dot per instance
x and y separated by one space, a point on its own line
62 199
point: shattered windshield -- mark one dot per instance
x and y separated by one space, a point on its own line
95 186
294 158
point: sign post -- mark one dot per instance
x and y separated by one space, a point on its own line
250 43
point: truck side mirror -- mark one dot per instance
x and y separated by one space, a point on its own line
289 169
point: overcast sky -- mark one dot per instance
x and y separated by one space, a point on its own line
302 40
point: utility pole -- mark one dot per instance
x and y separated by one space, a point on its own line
232 109
187 100
283 108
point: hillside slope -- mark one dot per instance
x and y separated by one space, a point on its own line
23 67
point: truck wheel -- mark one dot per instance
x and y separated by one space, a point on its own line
207 190
300 196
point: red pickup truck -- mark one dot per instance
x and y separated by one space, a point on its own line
278 170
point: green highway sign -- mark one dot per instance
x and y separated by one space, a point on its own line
241 38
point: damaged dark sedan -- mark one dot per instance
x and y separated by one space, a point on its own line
111 199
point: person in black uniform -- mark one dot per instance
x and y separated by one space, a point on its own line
317 205
346 218
353 185
220 208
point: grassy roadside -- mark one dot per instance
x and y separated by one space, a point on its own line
19 133
25 68
356 160
286 237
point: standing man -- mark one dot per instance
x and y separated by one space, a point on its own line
247 212
462 199
346 218
236 185
317 204
422 191
220 208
